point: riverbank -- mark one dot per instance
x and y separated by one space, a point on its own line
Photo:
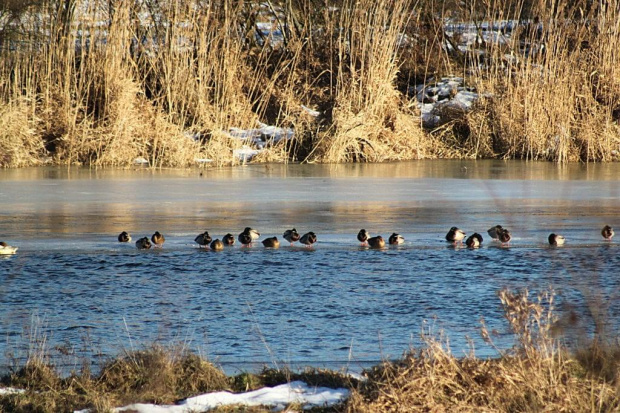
540 373
104 84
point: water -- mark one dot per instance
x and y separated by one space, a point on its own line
73 286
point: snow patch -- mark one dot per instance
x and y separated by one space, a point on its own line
439 97
5 391
277 398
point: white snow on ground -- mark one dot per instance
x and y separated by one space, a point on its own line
5 391
277 397
263 135
448 92
257 139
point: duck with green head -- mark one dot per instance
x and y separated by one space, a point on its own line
291 235
143 243
455 235
203 239
396 239
308 239
555 239
363 236
474 241
228 239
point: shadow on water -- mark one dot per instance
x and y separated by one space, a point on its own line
334 304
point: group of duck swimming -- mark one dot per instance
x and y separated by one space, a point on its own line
497 232
246 238
249 235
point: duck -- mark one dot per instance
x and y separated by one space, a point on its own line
376 242
555 239
493 231
245 239
455 235
203 239
271 242
6 249
143 243
474 240
363 236
607 232
217 245
308 239
158 239
228 239
248 234
291 235
124 237
504 236
396 239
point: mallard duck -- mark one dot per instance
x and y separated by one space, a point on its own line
124 237
555 239
228 239
396 239
253 233
245 239
308 239
493 231
291 235
455 235
607 232
143 243
217 245
203 239
474 241
271 242
6 249
376 242
504 236
363 236
158 239
248 234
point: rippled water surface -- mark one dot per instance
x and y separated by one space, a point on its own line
337 304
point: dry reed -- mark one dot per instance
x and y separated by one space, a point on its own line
538 376
105 82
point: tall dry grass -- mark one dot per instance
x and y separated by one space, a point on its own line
105 82
371 120
553 86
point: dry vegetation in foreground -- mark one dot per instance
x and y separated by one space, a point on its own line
539 374
102 82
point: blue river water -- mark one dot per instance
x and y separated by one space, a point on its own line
73 292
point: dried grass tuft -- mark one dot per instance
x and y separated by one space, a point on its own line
20 144
160 375
536 376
